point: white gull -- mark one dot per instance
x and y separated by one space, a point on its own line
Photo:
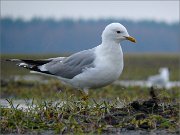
161 79
93 68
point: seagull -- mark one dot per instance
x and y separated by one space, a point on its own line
92 68
161 79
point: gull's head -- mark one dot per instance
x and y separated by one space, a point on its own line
116 32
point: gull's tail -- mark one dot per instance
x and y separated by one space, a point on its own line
32 65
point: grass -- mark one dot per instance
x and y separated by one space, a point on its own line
60 109
78 116
56 90
141 66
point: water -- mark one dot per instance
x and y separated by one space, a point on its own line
144 83
18 103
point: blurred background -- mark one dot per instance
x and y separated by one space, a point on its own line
49 27
43 29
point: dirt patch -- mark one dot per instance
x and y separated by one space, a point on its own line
151 114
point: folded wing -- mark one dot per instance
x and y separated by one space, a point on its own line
65 67
72 65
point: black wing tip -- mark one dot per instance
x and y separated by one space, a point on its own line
30 64
7 60
36 62
35 68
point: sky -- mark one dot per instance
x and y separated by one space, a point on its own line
166 11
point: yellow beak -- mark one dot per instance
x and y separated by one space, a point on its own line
131 39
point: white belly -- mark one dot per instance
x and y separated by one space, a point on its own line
95 78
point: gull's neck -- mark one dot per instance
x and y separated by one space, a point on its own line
110 49
110 41
110 54
111 45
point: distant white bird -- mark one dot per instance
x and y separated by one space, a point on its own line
93 68
162 79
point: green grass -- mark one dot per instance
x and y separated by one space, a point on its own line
58 108
139 66
55 90
77 116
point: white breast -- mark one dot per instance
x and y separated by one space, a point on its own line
110 60
108 67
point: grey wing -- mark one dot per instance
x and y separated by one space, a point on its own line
71 66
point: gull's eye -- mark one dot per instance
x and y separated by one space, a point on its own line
118 32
